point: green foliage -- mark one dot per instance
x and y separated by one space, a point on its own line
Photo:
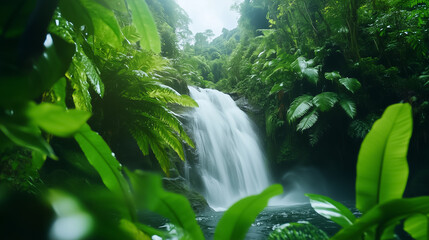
417 226
331 210
143 20
383 215
382 168
325 101
57 121
150 195
20 86
297 231
237 219
382 160
102 159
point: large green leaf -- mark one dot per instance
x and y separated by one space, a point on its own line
237 219
145 24
331 210
311 74
325 100
26 135
151 196
131 34
417 226
351 84
349 107
102 159
98 20
299 107
106 27
118 5
382 168
308 121
75 12
56 120
383 215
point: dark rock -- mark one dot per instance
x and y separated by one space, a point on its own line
244 105
179 185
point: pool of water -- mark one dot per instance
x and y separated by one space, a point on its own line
271 218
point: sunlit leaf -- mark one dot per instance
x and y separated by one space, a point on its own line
118 5
417 226
106 27
145 24
132 230
59 90
382 168
131 34
56 120
331 209
236 221
151 196
381 215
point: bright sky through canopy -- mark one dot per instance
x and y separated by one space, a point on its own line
210 14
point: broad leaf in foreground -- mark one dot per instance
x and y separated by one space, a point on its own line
382 215
102 159
382 168
145 24
331 210
417 226
56 120
151 196
236 221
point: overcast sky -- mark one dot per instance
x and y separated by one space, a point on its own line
210 14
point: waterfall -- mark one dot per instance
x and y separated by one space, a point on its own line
230 161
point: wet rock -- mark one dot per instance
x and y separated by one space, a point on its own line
244 105
179 185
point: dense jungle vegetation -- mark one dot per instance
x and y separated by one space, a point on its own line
91 93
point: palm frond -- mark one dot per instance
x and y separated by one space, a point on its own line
299 107
351 84
308 121
349 107
325 100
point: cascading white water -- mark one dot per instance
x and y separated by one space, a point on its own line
230 160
